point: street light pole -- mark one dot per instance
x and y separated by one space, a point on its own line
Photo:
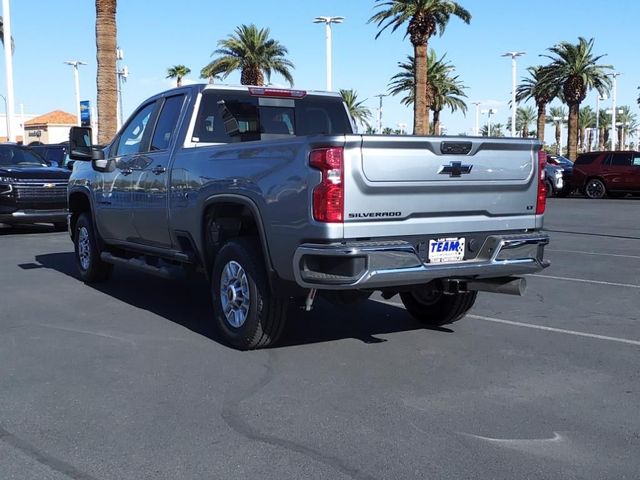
328 37
380 97
613 108
6 117
513 56
76 76
597 135
476 131
8 63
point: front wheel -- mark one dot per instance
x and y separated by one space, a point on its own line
595 189
247 313
435 308
87 252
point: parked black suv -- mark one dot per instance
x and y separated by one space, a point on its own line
31 191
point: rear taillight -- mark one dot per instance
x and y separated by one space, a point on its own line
328 196
541 202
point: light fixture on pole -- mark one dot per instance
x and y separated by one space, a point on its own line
327 23
613 108
513 56
380 97
403 127
476 131
76 76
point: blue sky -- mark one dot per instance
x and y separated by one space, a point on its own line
160 33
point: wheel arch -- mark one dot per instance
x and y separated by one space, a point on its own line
238 207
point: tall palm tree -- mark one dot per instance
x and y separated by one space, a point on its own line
587 120
556 117
533 88
357 110
576 68
251 51
178 72
425 18
106 77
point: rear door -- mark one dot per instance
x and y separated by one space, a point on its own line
414 186
618 171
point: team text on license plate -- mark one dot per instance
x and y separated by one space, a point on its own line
446 250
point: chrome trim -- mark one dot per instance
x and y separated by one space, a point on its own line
396 263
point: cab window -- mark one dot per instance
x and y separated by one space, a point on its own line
132 139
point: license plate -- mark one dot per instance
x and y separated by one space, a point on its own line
446 250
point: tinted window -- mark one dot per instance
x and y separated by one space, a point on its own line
620 159
12 156
311 115
131 140
636 159
167 122
586 158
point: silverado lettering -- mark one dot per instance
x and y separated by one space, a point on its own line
375 214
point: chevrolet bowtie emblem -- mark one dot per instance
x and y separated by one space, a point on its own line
455 169
49 185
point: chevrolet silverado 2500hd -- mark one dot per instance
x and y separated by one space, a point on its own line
271 194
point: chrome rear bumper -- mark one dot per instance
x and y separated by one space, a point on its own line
374 265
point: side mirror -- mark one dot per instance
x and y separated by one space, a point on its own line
70 165
80 146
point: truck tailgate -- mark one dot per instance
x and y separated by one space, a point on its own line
419 185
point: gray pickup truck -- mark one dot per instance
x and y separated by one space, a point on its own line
271 194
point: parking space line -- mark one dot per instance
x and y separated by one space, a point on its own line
556 330
536 327
593 253
582 280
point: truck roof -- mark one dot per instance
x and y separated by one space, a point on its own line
268 90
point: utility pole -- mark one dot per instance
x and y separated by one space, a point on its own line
380 97
476 131
513 56
613 110
8 63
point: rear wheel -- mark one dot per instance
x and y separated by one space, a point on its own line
595 188
247 313
90 266
434 308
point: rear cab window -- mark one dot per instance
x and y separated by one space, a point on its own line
586 158
620 159
271 117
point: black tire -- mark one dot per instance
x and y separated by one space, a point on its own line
594 188
87 252
261 317
435 308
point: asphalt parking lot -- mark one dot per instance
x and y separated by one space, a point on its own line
127 381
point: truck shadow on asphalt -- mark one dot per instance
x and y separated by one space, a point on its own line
186 302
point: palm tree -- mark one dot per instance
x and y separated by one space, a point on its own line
605 126
496 130
576 69
425 18
448 92
525 116
178 72
357 110
586 121
628 123
443 90
106 77
556 117
251 51
533 88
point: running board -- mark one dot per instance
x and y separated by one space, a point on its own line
137 264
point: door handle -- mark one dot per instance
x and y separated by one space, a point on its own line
158 169
126 171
